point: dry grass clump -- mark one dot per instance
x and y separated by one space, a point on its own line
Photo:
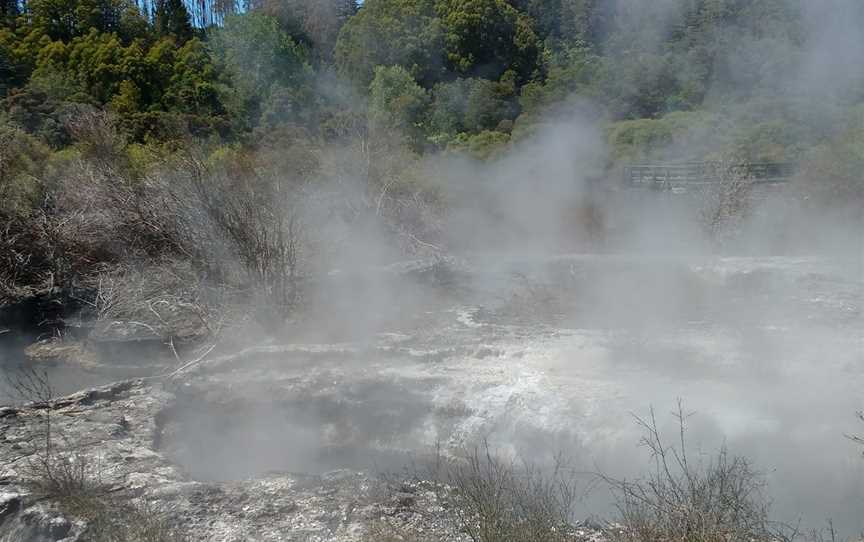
721 500
496 500
381 531
73 480
124 521
66 475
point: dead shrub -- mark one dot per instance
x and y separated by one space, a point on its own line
167 299
496 500
259 218
719 501
858 439
725 201
74 480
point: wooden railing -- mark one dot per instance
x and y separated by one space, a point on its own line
701 173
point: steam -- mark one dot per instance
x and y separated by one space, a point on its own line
760 334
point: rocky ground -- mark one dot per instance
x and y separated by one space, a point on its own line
535 360
119 428
118 433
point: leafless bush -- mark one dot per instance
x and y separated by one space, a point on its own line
720 501
97 133
74 479
857 439
62 474
497 500
259 217
726 200
29 385
168 299
52 469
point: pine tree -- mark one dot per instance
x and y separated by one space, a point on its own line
172 18
9 9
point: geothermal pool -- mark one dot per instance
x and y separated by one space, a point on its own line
542 357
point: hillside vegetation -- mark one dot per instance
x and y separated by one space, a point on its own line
216 140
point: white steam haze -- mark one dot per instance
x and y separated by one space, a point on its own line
763 337
761 334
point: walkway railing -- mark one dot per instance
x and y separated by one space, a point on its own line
702 173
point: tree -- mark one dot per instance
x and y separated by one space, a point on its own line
470 105
172 19
572 72
66 19
9 10
7 72
315 23
403 33
486 38
192 86
586 22
259 57
397 104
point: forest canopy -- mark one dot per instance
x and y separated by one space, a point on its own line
120 96
170 69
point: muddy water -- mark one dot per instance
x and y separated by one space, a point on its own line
552 356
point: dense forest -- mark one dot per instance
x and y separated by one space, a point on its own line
190 132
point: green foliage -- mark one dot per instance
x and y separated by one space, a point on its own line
96 63
834 167
40 114
397 104
172 19
571 72
192 84
488 104
22 160
470 105
457 72
261 59
403 33
680 136
638 85
314 23
64 19
487 38
483 146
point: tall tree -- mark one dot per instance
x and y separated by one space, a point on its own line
261 58
314 22
406 33
397 104
171 18
9 9
487 38
66 19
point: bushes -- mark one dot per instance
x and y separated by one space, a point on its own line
492 499
831 172
683 499
484 146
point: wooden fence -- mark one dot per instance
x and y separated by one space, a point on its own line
672 176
